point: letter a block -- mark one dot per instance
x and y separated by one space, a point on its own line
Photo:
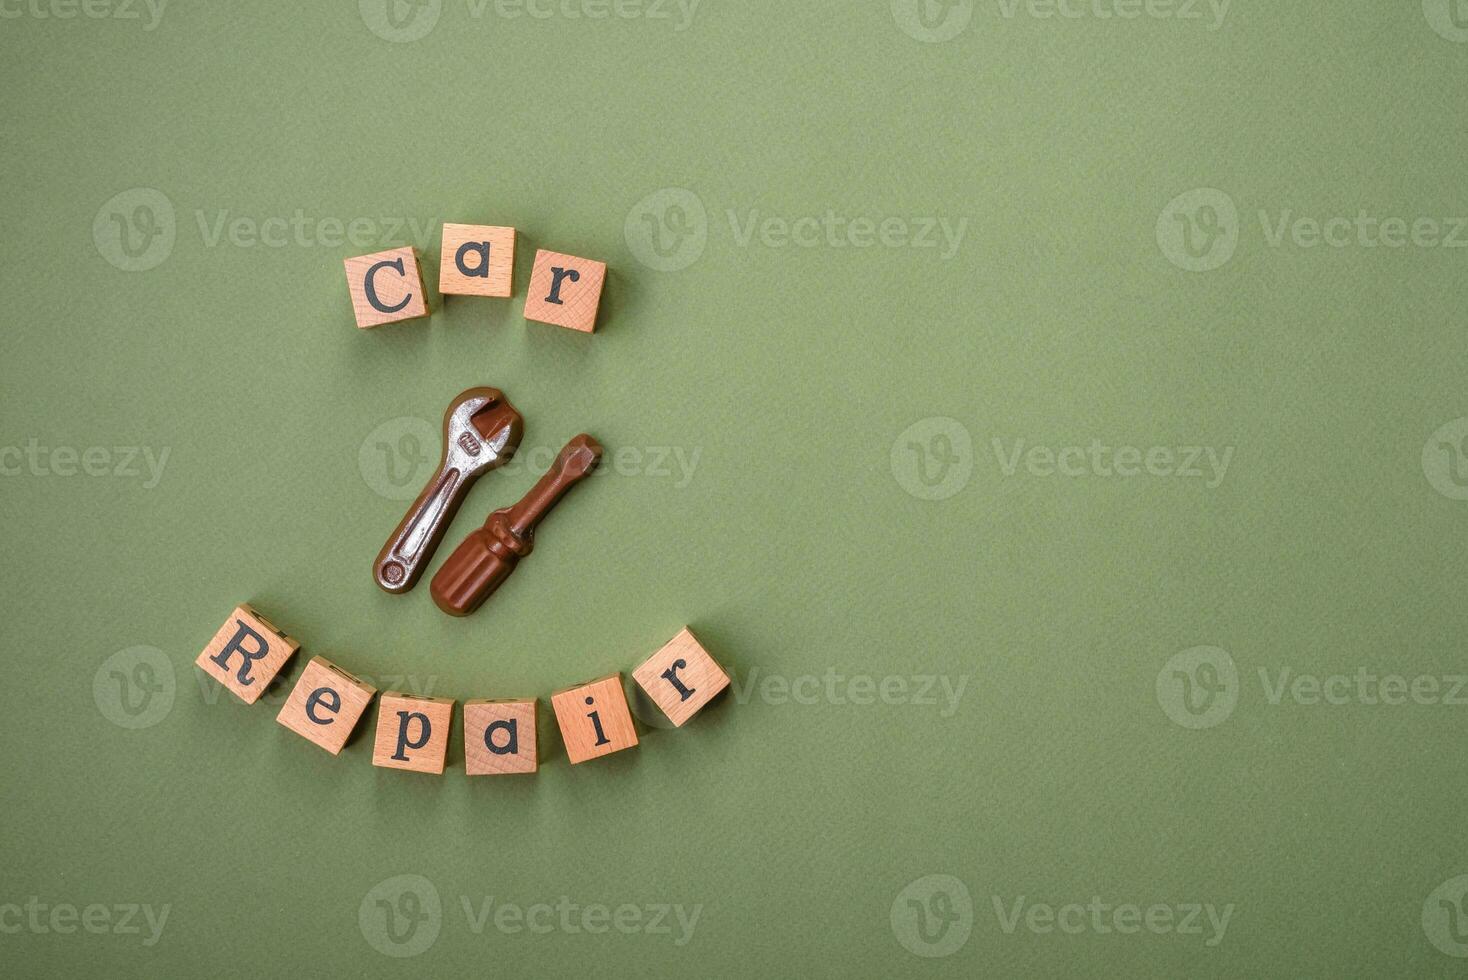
246 654
681 677
476 260
499 737
325 705
386 287
594 719
412 732
565 290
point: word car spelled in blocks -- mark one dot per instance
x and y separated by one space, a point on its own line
477 260
681 677
412 732
594 719
246 654
326 704
565 290
386 287
499 737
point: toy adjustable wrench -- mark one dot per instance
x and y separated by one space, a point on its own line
481 430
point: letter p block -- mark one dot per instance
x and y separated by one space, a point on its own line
412 732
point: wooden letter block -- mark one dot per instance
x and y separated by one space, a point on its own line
594 719
681 677
499 737
326 704
476 260
386 287
565 290
246 654
412 732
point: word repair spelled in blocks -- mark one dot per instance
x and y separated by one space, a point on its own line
594 719
246 654
499 737
386 287
477 260
681 677
326 704
412 732
565 290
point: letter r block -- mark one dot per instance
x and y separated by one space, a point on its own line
681 677
499 737
412 732
326 704
565 290
386 287
246 654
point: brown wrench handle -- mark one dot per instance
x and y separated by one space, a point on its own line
481 430
402 559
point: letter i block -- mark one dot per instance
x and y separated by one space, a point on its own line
386 287
499 737
681 677
246 654
325 705
594 719
565 290
412 732
476 260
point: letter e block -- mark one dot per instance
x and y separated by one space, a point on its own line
681 677
326 704
594 719
565 290
386 287
412 732
477 260
246 654
499 737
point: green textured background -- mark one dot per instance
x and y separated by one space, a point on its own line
802 544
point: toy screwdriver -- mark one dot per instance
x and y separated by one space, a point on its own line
486 558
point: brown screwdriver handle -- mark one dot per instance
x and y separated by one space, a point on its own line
488 555
481 430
